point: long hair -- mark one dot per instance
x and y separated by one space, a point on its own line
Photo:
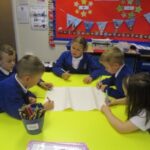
138 94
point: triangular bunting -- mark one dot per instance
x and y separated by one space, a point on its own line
117 23
130 23
147 17
69 20
102 25
88 25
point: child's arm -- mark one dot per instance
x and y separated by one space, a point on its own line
121 101
120 126
48 105
58 67
45 85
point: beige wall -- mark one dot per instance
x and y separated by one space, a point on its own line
35 42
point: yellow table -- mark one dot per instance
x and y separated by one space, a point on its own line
90 127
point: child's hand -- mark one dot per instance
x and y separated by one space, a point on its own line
46 86
103 86
98 85
87 79
32 100
49 104
66 75
105 109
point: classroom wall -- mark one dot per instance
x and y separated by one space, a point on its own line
32 41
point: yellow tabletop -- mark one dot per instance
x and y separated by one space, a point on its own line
90 127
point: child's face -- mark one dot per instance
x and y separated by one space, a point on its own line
7 61
76 50
33 80
111 68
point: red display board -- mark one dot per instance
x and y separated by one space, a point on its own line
127 20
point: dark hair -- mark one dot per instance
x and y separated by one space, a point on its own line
29 65
5 48
82 41
113 55
133 47
138 94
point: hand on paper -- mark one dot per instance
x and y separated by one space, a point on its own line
32 100
103 86
48 104
66 75
99 84
46 86
105 108
87 79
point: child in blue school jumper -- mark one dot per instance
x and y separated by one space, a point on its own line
136 88
7 65
113 60
78 61
7 61
14 90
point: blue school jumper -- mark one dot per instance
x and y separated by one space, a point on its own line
87 65
12 96
4 76
117 82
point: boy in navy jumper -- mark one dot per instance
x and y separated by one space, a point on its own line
78 61
113 60
14 90
7 61
7 64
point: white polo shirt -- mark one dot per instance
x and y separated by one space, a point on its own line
139 121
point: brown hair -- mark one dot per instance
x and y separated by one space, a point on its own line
82 41
29 65
113 55
5 48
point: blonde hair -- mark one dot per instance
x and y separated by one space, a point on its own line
8 49
29 65
113 55
81 40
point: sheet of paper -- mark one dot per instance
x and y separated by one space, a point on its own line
82 98
99 97
77 98
59 95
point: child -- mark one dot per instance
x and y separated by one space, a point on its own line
78 61
7 61
136 88
14 90
7 65
113 60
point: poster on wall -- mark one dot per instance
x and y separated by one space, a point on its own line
39 18
127 20
23 13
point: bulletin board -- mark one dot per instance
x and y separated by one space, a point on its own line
126 20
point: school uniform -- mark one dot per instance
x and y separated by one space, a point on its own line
116 80
139 121
5 74
86 64
13 95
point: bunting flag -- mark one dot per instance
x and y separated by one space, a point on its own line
69 20
88 25
102 25
72 21
130 23
117 23
147 17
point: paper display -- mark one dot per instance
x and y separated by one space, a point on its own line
77 98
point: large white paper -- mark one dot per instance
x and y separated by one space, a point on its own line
77 98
